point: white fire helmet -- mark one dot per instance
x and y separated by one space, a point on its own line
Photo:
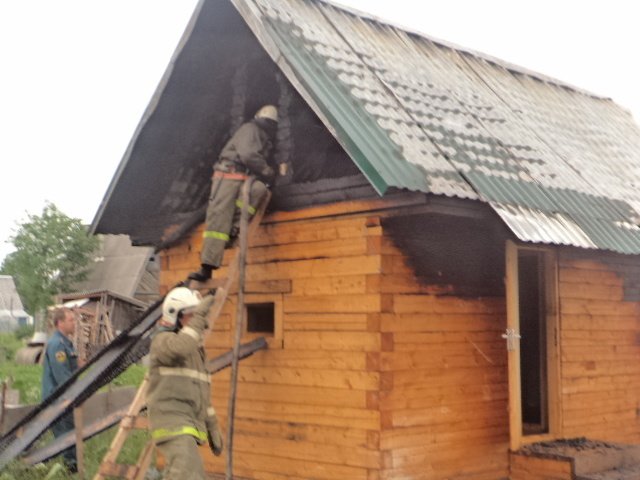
179 300
268 111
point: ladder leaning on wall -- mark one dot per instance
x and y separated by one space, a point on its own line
134 419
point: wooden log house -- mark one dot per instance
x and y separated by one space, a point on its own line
448 272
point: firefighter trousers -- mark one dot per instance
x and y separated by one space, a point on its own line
182 459
223 216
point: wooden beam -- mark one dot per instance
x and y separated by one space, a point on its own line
223 361
79 426
405 203
68 439
240 321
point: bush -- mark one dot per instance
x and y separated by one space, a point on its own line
27 379
19 471
24 331
9 345
132 376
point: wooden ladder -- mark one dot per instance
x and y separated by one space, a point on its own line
133 420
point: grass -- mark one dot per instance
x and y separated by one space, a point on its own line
27 379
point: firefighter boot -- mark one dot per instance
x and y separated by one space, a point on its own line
201 275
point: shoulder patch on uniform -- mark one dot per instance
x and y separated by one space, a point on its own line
61 356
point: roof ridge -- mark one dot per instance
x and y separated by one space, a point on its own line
512 67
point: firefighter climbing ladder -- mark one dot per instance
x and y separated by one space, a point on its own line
133 420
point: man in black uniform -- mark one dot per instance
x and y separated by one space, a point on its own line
246 153
60 362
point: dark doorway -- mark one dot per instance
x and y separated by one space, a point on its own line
533 344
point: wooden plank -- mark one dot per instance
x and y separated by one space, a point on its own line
599 368
444 396
591 337
442 435
393 438
466 356
240 321
329 341
310 414
608 408
488 462
352 380
266 286
417 454
144 460
443 376
594 398
448 305
445 414
600 307
446 451
341 285
441 322
574 385
598 418
608 323
310 395
255 465
420 340
310 231
343 435
589 277
353 322
245 350
367 303
329 267
580 291
341 247
182 260
351 207
534 468
108 469
298 449
404 283
79 427
120 437
311 359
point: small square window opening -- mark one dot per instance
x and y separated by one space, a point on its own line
261 318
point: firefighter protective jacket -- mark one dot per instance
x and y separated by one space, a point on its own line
179 395
249 147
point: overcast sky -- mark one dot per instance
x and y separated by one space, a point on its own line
76 76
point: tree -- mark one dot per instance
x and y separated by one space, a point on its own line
52 254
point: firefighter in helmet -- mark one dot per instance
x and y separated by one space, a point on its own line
246 153
179 397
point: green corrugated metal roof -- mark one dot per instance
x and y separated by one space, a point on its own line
415 114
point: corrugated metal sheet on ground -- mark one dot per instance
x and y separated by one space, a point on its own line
558 165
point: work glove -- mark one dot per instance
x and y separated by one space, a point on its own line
200 319
214 435
267 174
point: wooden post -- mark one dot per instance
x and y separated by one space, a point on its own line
78 426
240 313
2 412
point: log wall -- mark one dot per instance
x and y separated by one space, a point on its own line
309 406
444 396
375 374
528 467
600 340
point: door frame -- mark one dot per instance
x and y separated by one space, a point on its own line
516 437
